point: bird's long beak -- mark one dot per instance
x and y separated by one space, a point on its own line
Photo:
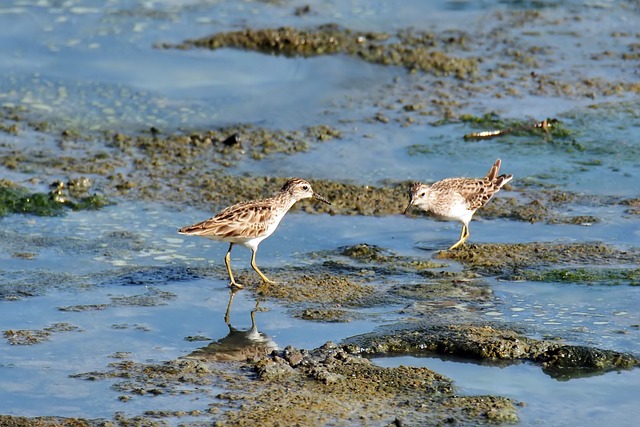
408 208
322 199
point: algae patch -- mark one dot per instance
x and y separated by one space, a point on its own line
491 343
18 199
37 336
411 49
509 261
318 288
585 275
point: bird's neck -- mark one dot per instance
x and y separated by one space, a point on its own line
284 200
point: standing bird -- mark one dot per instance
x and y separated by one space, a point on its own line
249 223
458 198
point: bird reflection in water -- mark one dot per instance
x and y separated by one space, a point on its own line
238 345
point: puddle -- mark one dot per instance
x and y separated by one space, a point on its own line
607 398
602 316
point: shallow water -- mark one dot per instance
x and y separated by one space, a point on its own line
601 316
151 305
92 64
608 398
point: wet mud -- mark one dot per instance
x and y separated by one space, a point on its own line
219 190
311 383
194 168
493 344
442 54
530 260
308 387
414 50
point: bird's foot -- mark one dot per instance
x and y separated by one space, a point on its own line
235 285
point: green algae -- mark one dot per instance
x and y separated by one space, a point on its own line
20 200
17 199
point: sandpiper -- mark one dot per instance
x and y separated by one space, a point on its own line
458 198
249 223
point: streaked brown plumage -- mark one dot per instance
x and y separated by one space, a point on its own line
458 198
249 223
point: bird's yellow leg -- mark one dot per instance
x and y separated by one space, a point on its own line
227 262
255 267
464 235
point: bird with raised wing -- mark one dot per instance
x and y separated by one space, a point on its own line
458 198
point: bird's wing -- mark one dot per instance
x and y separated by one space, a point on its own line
244 220
475 191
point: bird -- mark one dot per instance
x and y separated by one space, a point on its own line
249 223
458 198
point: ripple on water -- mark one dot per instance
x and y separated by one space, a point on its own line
601 315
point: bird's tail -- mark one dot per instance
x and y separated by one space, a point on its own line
493 172
492 176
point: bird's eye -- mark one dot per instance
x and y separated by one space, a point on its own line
423 194
305 187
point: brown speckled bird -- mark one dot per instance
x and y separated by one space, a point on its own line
458 198
249 223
